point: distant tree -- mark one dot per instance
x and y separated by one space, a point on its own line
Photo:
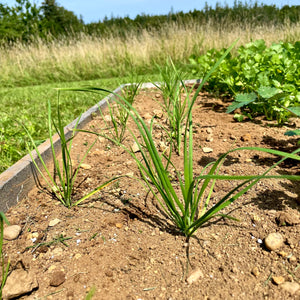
20 22
59 21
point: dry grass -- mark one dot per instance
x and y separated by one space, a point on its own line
88 57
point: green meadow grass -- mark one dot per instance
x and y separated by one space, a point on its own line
29 106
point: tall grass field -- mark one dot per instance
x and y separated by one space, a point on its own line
30 72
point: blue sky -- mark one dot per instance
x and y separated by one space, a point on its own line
95 10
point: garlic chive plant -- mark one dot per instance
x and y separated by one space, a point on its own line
175 101
119 114
61 184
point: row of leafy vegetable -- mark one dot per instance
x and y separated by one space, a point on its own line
262 80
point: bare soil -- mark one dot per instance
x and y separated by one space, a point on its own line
121 243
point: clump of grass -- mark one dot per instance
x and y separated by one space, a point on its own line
61 184
175 101
119 114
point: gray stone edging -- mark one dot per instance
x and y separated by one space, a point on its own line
20 178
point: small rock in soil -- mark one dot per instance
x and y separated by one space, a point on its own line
285 218
283 253
147 116
207 149
278 279
18 283
274 241
246 137
54 222
119 225
109 273
135 147
57 278
209 138
255 271
194 276
158 113
107 118
85 166
290 287
292 259
209 130
11 232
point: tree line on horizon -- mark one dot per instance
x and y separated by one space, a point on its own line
26 21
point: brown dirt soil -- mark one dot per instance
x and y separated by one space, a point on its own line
123 245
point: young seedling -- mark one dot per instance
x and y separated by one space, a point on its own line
57 240
119 114
175 102
61 183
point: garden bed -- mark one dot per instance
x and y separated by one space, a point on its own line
121 243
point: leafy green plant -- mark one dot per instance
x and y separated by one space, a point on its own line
189 208
270 100
175 103
4 269
295 111
119 114
61 183
265 76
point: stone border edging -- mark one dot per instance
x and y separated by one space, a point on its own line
19 179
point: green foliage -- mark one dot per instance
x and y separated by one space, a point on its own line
57 21
241 14
268 100
20 22
295 111
13 139
265 80
22 104
26 21
91 293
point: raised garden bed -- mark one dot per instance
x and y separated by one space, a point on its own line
122 244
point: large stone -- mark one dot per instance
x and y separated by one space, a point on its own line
194 276
274 241
207 149
18 283
57 278
11 232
